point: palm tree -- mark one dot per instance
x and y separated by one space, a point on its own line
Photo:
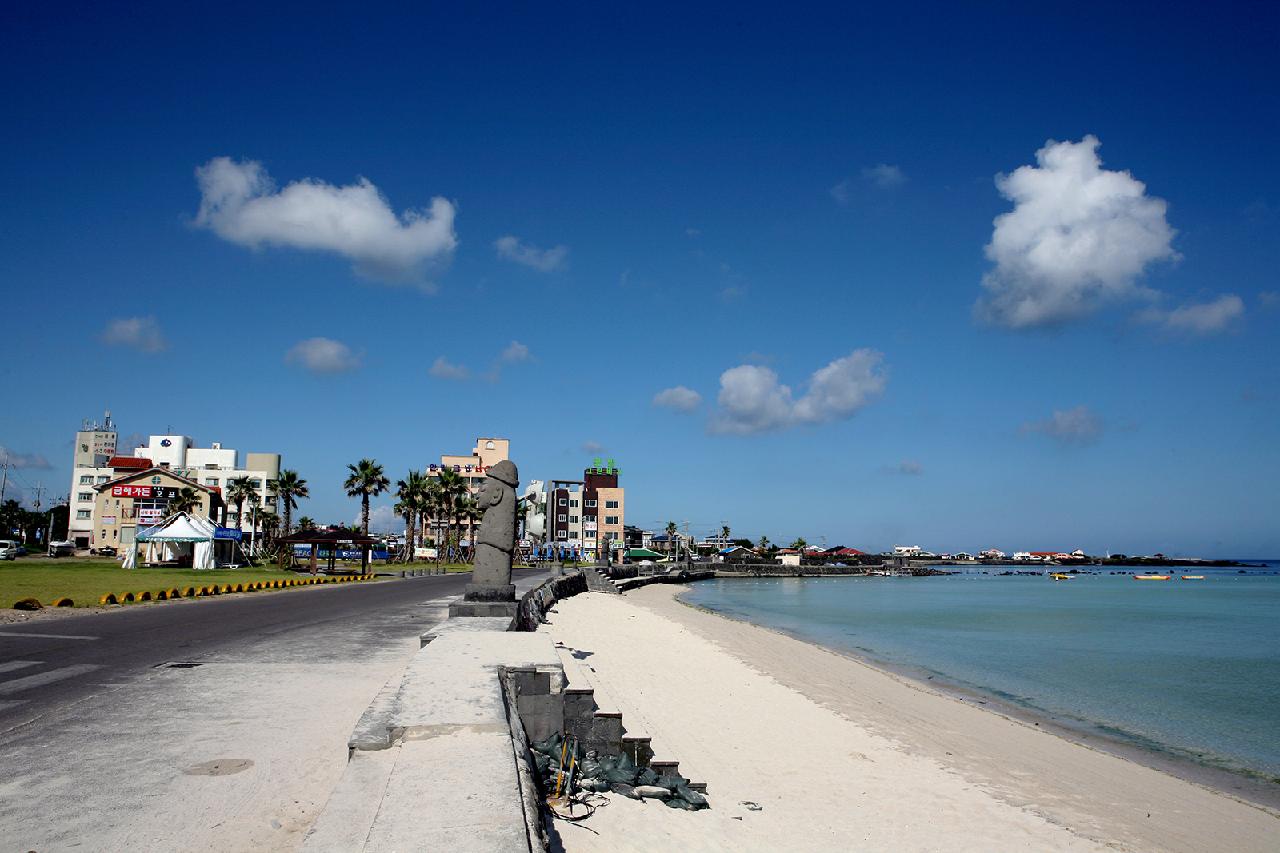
269 521
671 536
800 545
289 486
724 534
410 491
468 512
453 488
239 490
763 544
306 523
187 500
366 481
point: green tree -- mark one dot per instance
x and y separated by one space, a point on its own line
289 487
468 513
239 490
724 533
799 544
764 544
187 500
453 489
365 481
671 536
411 492
306 523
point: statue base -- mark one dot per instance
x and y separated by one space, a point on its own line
483 600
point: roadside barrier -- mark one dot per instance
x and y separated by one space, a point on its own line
108 598
174 593
128 598
63 602
190 592
145 595
28 604
162 595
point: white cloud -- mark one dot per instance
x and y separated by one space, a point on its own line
543 260
884 175
240 203
1070 426
1269 298
140 333
382 519
442 368
323 355
693 232
752 400
1206 318
840 192
1078 236
679 398
515 352
24 460
592 447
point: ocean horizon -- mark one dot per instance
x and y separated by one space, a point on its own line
1187 671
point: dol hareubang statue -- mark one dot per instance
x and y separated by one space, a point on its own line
491 592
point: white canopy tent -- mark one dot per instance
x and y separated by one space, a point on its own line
170 539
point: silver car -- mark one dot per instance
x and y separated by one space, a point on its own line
8 549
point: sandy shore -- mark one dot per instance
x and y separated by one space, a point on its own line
842 755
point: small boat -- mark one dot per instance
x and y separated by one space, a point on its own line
1152 577
1193 577
1060 576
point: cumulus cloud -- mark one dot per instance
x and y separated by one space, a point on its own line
382 519
140 333
592 447
542 260
515 352
241 204
1078 236
884 175
323 355
752 400
679 398
34 461
1206 318
442 368
1068 427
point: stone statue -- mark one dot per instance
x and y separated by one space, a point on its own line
491 592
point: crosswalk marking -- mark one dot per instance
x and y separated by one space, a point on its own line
47 636
17 664
43 678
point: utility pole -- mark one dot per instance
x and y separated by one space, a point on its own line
5 481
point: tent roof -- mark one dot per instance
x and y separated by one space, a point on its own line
181 527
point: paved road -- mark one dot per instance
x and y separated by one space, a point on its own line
103 749
48 663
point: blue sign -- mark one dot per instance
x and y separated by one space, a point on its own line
231 533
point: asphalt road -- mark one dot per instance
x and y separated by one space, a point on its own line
47 664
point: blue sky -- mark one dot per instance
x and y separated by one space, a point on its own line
782 213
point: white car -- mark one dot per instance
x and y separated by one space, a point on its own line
8 549
62 549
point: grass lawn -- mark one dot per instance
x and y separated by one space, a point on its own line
84 581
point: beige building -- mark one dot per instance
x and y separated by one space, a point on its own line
487 453
141 499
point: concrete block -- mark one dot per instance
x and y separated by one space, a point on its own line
605 734
345 822
638 748
531 682
541 715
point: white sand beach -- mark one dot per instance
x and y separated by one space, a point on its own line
840 755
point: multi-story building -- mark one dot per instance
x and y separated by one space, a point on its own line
487 453
213 467
140 498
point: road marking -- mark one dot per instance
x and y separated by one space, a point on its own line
48 636
12 703
17 664
43 678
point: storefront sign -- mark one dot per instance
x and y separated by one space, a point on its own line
458 469
228 533
166 492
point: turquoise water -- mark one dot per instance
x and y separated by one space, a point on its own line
1186 668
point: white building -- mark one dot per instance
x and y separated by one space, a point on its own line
907 550
214 466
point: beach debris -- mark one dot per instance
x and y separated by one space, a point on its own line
652 792
752 807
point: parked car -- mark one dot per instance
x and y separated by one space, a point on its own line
22 551
107 551
8 549
62 549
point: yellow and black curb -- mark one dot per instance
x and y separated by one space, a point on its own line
193 591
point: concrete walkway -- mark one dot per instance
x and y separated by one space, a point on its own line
239 753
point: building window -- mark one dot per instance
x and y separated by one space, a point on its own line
562 535
590 503
610 519
573 503
560 517
86 479
564 502
83 514
573 519
84 496
211 481
610 504
590 534
102 478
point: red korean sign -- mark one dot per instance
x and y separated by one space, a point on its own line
131 491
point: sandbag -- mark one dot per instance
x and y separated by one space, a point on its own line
691 796
625 790
597 785
646 776
623 771
671 781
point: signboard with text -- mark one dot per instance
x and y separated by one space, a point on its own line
165 492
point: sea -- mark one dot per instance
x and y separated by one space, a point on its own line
1185 671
